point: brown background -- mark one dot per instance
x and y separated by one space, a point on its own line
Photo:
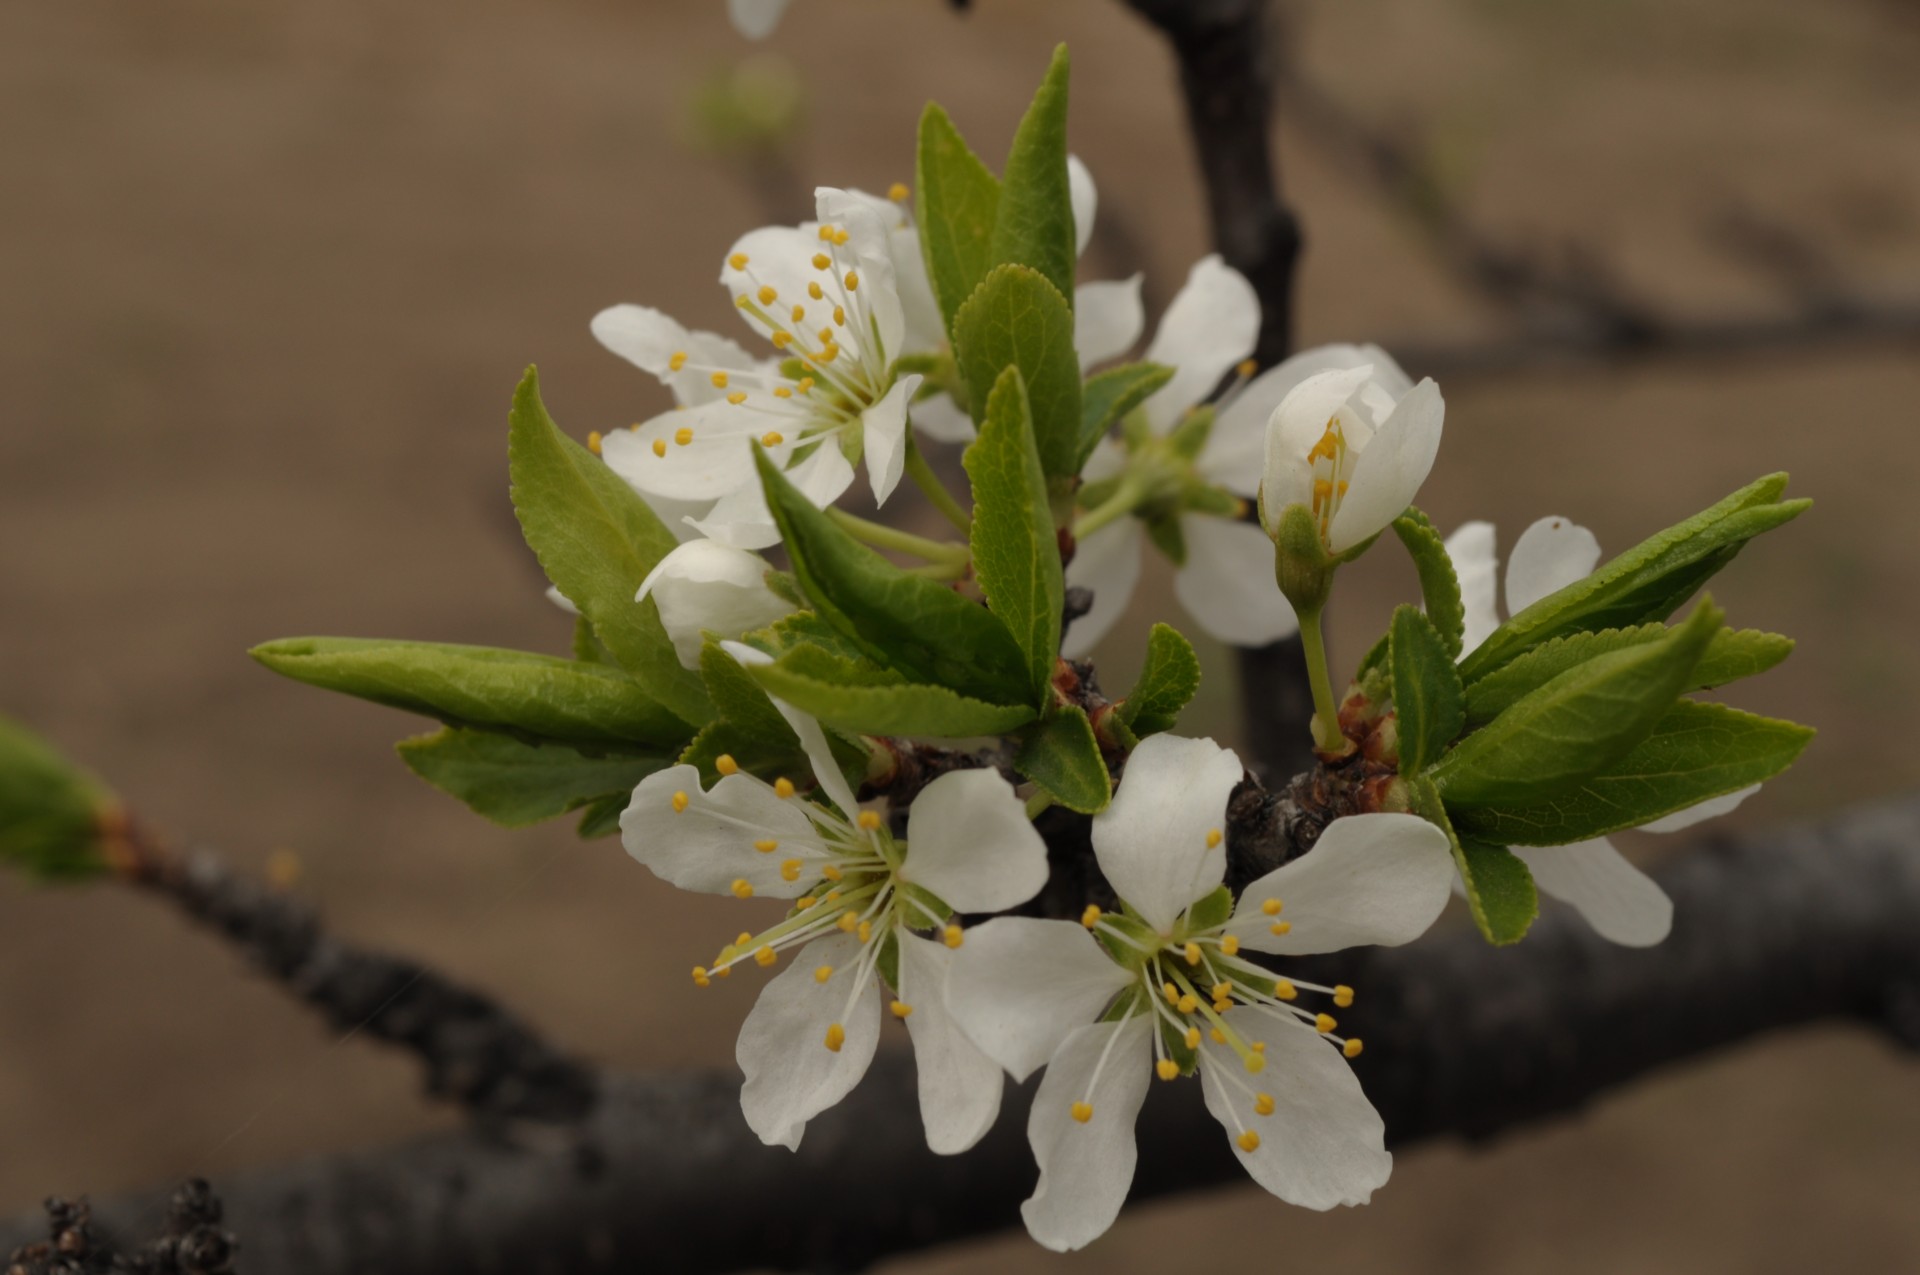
268 274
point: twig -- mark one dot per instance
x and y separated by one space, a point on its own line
191 1243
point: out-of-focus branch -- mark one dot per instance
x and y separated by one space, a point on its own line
191 1242
1820 923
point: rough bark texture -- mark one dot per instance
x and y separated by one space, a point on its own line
1819 923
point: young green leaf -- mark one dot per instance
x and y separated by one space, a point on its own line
51 811
915 626
536 697
1108 396
1696 752
741 702
1427 697
1500 890
597 540
514 783
586 647
1647 582
1439 586
1035 223
1576 725
958 204
1167 683
1016 318
1016 555
897 708
1062 757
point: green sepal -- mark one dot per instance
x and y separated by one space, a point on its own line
1428 701
1062 757
514 783
1167 683
1107 397
51 811
1439 585
1127 939
1034 224
958 204
1131 1000
1165 534
1017 318
1500 889
1174 1039
1212 909
1188 437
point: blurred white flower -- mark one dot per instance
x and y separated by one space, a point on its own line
704 586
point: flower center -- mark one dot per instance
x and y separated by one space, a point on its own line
1332 461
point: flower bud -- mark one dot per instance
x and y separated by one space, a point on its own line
706 586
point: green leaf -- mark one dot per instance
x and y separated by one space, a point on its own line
899 708
515 783
1035 223
959 202
1648 582
1500 890
1016 555
602 818
51 811
596 540
920 628
536 697
1427 698
1439 586
586 647
742 703
1696 752
1166 685
1576 725
1108 396
1732 655
1062 757
1016 318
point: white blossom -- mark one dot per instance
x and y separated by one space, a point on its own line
756 19
1161 988
704 586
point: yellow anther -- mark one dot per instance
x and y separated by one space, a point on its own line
1219 1037
743 302
772 438
1271 907
821 261
1322 491
1192 953
1342 995
766 845
840 236
723 971
1284 990
659 447
832 873
700 978
822 974
833 896
742 888
1229 944
1172 993
826 336
790 870
679 803
826 234
781 391
1279 928
1256 1062
767 295
1167 1069
900 1009
1221 991
765 956
814 291
725 764
1213 838
736 398
781 340
783 787
1193 1038
898 192
1248 1142
1247 367
678 361
836 1037
852 280
1263 1104
840 315
804 902
719 380
800 312
593 441
738 261
1324 1023
1340 488
1240 508
1090 917
1258 1046
827 355
1352 1048
870 820
742 938
1188 1003
1082 1111
684 434
866 931
848 921
953 936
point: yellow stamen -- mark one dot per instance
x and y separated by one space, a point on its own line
1082 1111
781 391
1247 367
783 787
1324 1023
832 873
772 438
826 234
1221 991
954 936
1342 995
840 236
814 291
684 434
678 361
766 845
593 441
866 931
736 398
848 921
870 820
765 956
1230 944
1249 1142
719 380
1091 917
1193 1038
1219 1037
840 316
836 1037
821 261
804 902
767 295
659 447
1192 953
1284 990
898 192
900 1009
1172 993
742 888
1188 1003
1213 838
1256 1063
1352 1048
725 764
700 978
679 803
1167 1069
781 340
800 312
790 870
826 336
822 974
1263 1104
1279 928
1271 907
853 280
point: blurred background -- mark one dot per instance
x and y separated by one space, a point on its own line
268 274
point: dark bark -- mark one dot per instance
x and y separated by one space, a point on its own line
1819 923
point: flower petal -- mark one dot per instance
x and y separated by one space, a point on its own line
716 459
1227 584
1155 841
1107 562
1085 199
1018 987
1236 447
813 740
1477 564
1392 465
1107 319
1086 1168
741 519
1620 902
1370 879
1294 429
1210 327
708 844
649 339
926 330
791 1074
883 433
756 19
959 1086
1324 1144
1549 556
869 243
970 842
703 585
1711 808
940 418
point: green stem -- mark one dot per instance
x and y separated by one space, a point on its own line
881 536
942 571
1123 502
1038 802
1326 710
929 483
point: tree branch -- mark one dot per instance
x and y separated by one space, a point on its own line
1819 923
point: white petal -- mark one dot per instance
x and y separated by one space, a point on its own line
709 845
1369 879
883 433
1085 199
926 329
756 19
970 842
791 1074
1392 465
1236 448
1018 987
1295 428
742 520
1620 902
781 258
869 241
1324 1144
649 339
1152 840
707 586
813 740
1210 327
1107 319
1086 1169
1711 808
1227 583
716 461
1477 564
561 600
1107 562
959 1085
1549 556
940 418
